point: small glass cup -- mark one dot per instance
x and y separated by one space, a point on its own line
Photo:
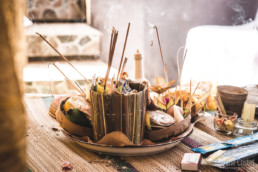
243 128
225 123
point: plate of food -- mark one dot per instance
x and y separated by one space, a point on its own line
127 118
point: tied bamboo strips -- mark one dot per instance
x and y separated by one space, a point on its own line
122 57
112 47
65 59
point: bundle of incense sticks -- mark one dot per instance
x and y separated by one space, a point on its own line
112 47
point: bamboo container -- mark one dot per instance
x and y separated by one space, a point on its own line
120 112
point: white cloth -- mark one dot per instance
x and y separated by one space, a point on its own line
226 55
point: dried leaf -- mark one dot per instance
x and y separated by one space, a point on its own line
116 138
66 166
161 89
147 142
160 81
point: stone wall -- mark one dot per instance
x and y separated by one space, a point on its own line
56 10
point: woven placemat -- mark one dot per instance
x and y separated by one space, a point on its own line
48 148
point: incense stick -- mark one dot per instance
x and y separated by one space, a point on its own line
87 81
123 68
111 53
122 57
183 63
164 68
178 66
79 88
69 81
74 86
191 96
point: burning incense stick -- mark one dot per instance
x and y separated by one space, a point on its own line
164 68
87 81
122 57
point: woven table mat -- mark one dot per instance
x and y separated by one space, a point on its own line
48 148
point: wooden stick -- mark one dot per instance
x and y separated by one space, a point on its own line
111 53
165 73
183 64
166 69
123 68
178 66
68 80
122 57
87 81
74 86
190 97
80 88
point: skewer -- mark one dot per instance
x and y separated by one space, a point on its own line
190 97
164 68
178 68
74 86
183 63
123 68
79 88
69 81
87 81
122 57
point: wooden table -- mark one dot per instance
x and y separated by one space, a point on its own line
48 148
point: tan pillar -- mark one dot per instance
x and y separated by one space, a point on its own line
12 57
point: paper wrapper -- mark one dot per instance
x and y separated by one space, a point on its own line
120 112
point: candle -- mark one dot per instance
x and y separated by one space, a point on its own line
139 76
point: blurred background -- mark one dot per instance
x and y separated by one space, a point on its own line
80 30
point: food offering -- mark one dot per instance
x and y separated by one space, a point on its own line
120 112
74 116
223 120
170 110
119 109
225 123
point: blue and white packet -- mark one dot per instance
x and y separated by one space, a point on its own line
227 144
234 157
